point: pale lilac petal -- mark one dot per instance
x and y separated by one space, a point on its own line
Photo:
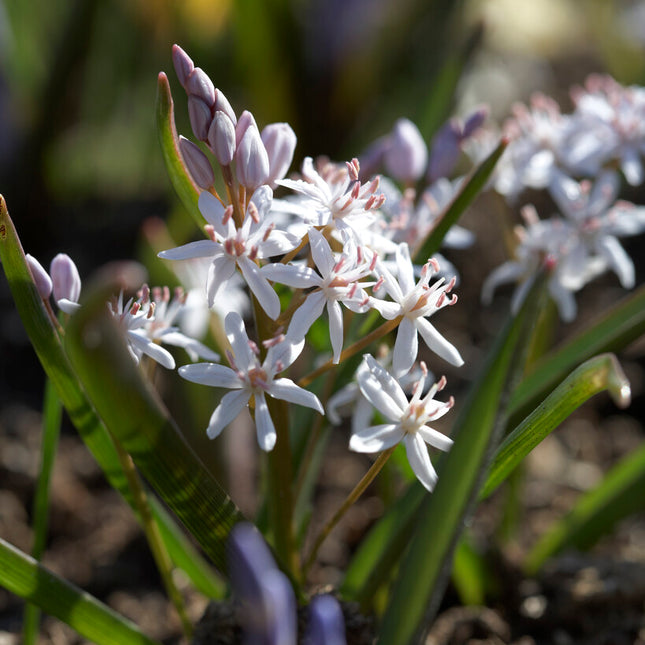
617 258
507 272
632 167
157 353
305 316
376 438
194 348
321 252
211 374
286 389
437 343
434 438
419 460
344 396
213 211
371 369
41 278
239 340
221 269
67 306
199 249
260 287
406 348
335 329
405 270
278 243
293 275
389 310
230 406
564 300
264 424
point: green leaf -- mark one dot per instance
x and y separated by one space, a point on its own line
133 413
611 332
39 324
423 573
597 374
25 577
183 183
469 189
618 495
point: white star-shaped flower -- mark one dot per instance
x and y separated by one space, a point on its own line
230 247
408 419
337 281
248 378
415 302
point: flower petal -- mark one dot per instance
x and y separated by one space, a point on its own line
435 438
419 460
157 353
437 343
287 390
260 287
230 406
264 424
335 329
199 249
211 374
376 438
381 389
406 348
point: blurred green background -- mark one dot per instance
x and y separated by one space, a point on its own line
80 164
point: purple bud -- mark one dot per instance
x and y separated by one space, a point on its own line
279 139
183 64
266 599
406 155
222 105
326 622
246 119
65 278
251 160
445 151
474 121
221 138
40 276
200 85
200 117
197 163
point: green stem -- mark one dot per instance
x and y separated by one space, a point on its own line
358 346
359 489
52 415
151 530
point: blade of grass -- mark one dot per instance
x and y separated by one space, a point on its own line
46 343
426 565
28 579
597 512
611 332
595 375
52 416
136 417
469 189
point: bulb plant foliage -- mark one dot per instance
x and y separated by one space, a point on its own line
327 314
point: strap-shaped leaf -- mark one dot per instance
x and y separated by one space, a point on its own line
133 413
597 374
470 188
182 182
25 577
53 358
596 513
611 332
426 565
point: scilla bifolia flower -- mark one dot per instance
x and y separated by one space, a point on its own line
250 379
407 419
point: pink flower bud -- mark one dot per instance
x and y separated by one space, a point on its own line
222 105
280 142
65 278
251 160
221 138
197 163
246 119
183 64
200 117
406 155
201 86
40 276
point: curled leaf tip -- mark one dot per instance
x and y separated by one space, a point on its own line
617 384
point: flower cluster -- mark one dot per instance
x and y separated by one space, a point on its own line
579 159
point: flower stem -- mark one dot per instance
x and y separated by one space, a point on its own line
359 489
359 345
153 536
